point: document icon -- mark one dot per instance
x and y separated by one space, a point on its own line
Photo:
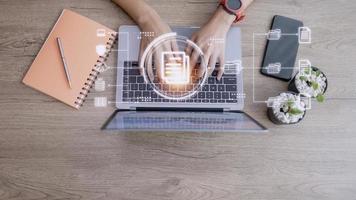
175 67
304 34
305 67
99 85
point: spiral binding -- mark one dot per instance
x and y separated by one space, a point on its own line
95 72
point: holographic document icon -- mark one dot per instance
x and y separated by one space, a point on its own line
304 34
99 85
175 67
305 67
307 101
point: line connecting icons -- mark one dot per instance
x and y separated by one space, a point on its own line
304 36
167 68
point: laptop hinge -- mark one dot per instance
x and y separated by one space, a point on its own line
179 109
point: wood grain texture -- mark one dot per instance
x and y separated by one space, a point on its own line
48 151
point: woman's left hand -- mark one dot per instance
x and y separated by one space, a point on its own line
211 39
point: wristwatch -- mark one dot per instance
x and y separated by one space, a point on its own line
233 7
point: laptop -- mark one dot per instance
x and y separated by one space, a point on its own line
216 107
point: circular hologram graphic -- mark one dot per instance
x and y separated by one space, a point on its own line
167 65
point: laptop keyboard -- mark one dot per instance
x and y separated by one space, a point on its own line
136 90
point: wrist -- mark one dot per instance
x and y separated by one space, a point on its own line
148 18
224 18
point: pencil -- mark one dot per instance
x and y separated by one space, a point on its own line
65 66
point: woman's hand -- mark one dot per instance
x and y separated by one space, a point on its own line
155 27
149 22
211 39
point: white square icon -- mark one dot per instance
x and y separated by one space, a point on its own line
307 101
304 67
100 49
271 101
100 32
274 34
304 34
99 85
233 67
100 102
175 68
274 68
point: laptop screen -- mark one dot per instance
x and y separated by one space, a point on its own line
183 121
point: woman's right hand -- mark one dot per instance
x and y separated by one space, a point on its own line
155 27
150 22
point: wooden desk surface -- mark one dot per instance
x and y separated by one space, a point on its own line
49 151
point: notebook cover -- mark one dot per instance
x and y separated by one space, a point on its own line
79 39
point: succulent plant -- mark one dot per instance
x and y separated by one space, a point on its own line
287 108
290 108
314 80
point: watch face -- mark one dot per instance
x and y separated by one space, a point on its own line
234 4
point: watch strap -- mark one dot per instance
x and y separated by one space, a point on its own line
240 15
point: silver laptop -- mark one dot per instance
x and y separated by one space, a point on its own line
216 107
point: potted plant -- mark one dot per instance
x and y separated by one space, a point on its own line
287 108
311 82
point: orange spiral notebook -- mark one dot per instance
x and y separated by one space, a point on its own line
80 38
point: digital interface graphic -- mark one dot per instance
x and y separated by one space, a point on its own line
164 72
304 36
168 70
176 69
